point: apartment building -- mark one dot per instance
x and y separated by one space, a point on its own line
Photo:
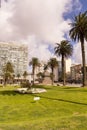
76 72
15 53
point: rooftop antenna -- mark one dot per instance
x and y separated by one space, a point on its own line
1 2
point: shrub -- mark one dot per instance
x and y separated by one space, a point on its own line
26 84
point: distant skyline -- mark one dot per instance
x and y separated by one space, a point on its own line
40 24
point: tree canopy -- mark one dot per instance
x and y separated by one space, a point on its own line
78 32
65 50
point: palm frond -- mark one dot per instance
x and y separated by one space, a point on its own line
64 48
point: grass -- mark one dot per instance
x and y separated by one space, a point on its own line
60 108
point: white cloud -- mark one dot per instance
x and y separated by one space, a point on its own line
38 48
5 27
41 18
39 23
36 17
77 54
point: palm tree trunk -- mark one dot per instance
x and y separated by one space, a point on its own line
83 63
33 74
4 81
52 76
33 79
63 69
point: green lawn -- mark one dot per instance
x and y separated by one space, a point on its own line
60 108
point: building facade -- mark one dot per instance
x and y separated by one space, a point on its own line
76 72
15 53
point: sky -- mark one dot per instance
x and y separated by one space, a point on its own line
40 24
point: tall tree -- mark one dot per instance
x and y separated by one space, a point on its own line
8 72
79 32
52 63
40 76
45 67
25 74
18 76
34 62
64 49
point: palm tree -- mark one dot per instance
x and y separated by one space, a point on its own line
52 63
45 67
8 72
40 76
25 74
64 49
13 78
34 62
18 76
79 32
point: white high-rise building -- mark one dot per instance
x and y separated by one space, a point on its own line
15 53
